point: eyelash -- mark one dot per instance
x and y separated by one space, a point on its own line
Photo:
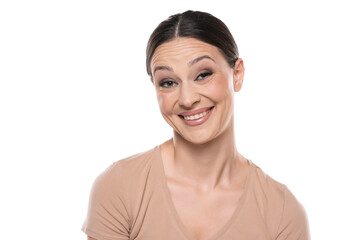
170 83
204 75
167 82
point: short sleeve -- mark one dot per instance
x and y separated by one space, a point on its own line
107 217
294 222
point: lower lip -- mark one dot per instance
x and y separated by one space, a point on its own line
198 121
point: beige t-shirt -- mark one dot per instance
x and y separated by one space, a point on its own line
131 200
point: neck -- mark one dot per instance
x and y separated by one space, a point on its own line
206 165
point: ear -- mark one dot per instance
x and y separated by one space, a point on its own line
239 72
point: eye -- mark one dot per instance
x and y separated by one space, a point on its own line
203 75
167 83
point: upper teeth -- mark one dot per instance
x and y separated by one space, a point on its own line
196 116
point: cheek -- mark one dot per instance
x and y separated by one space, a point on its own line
219 89
165 101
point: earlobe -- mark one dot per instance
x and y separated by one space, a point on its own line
239 71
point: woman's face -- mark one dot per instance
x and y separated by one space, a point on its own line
195 88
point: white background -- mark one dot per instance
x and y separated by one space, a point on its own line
75 97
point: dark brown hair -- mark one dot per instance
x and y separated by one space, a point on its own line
195 24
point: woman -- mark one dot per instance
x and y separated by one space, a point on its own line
195 185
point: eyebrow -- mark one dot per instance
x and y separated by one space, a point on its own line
190 63
198 59
163 68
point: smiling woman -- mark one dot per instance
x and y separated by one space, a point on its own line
195 185
193 78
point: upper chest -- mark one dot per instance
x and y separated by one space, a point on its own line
204 215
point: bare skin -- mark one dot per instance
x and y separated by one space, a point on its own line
206 175
204 204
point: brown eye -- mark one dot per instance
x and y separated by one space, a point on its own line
203 75
167 83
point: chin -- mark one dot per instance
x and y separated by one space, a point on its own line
198 138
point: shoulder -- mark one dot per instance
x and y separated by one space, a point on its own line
123 174
266 188
294 221
114 197
284 213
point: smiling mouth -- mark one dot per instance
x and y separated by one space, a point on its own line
196 116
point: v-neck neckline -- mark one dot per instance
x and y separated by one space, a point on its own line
175 213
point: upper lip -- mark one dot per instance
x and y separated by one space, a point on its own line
197 111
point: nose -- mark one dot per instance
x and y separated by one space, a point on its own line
188 96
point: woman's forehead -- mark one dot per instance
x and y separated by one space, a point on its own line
183 49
